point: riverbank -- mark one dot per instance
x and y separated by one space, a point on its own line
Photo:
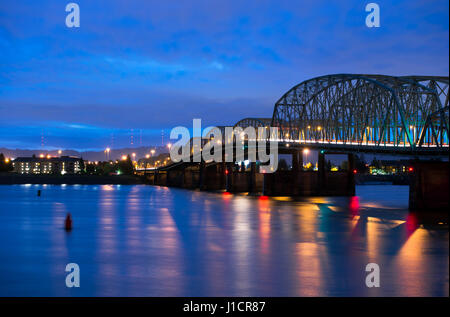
12 178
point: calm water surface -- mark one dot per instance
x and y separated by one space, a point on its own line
156 241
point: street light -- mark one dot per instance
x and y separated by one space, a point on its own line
306 151
107 150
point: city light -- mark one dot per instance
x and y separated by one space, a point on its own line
152 151
306 151
6 160
48 156
169 145
124 157
59 152
41 155
147 156
107 150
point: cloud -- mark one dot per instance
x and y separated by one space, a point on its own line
157 64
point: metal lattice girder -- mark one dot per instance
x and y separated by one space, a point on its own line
255 123
375 110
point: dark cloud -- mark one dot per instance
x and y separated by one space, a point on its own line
157 64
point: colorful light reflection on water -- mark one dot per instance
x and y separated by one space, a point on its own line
155 241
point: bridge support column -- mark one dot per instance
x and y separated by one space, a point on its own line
169 178
429 187
321 172
297 166
268 184
351 175
223 175
228 177
201 175
252 178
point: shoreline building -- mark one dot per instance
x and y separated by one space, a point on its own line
48 165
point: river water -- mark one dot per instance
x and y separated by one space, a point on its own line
155 241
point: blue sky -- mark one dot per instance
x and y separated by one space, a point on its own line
153 65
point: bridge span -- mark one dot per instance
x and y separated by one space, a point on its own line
345 114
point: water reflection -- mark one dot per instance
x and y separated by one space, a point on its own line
156 241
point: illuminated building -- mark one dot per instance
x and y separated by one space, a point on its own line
50 165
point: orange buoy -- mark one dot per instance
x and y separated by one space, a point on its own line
68 222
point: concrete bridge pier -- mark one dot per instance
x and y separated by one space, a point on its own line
336 183
252 179
201 175
297 182
322 180
297 171
175 178
155 178
351 175
429 187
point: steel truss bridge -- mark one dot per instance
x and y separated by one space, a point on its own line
406 115
336 114
367 113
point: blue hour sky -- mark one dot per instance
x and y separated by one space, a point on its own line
134 68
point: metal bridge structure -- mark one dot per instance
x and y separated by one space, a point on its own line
377 113
334 114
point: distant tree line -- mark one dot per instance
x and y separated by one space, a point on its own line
123 167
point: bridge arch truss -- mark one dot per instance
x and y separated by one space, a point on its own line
366 110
